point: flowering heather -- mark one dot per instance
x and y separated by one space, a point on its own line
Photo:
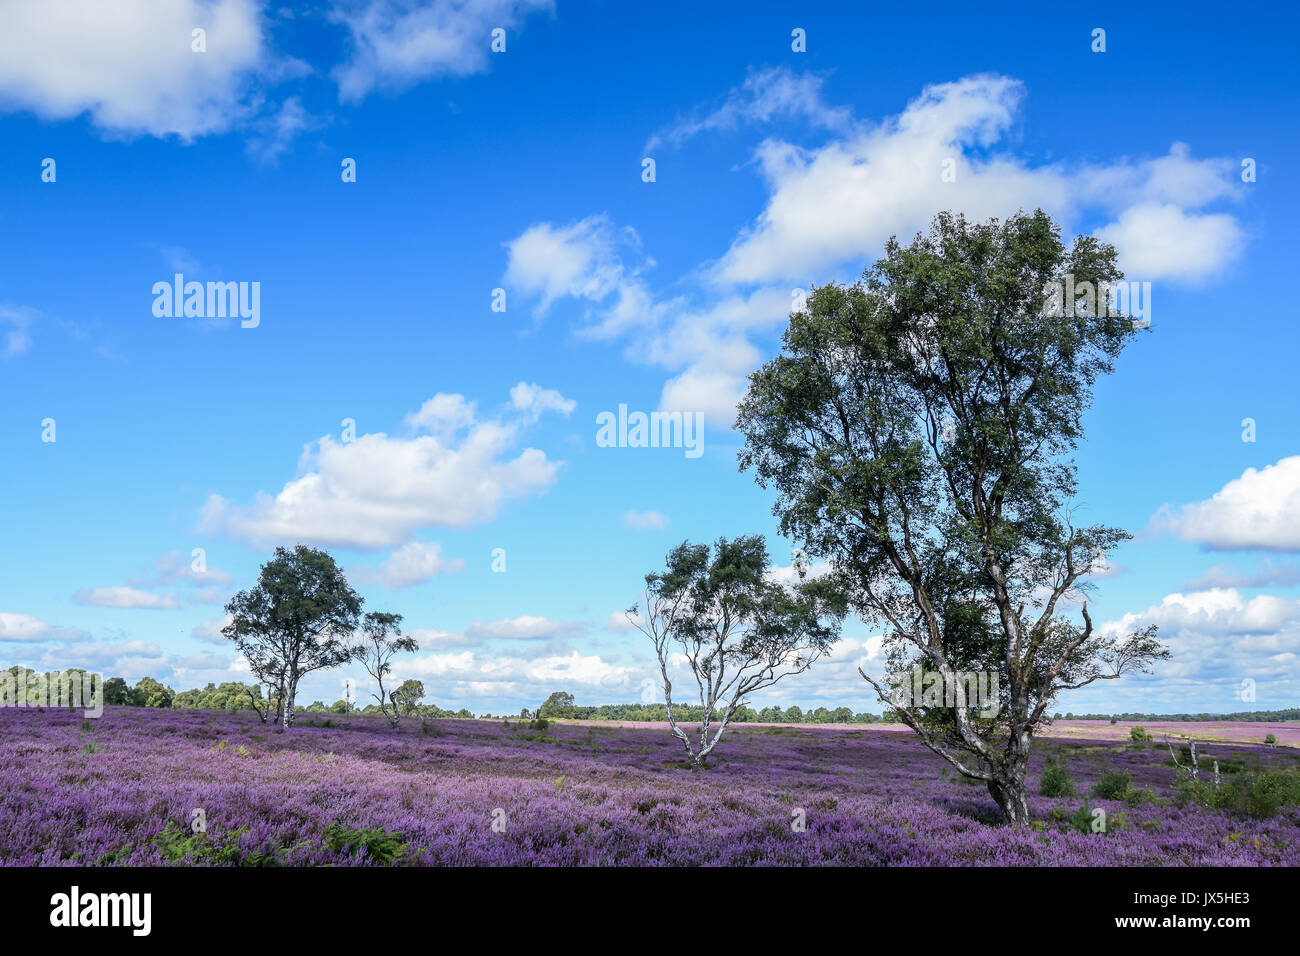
1287 733
122 790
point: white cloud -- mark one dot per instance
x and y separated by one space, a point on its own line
413 563
443 416
774 93
124 597
1164 241
1219 611
531 400
210 630
129 64
833 207
618 621
1217 636
524 628
398 43
1226 576
431 639
839 203
127 658
580 260
504 675
836 205
645 520
24 628
376 491
1261 509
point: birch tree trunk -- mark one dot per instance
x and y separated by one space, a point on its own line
290 691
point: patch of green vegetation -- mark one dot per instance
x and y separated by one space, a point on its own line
374 843
1113 785
182 846
1055 780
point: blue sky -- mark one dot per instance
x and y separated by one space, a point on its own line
523 171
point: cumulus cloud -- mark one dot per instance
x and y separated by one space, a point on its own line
1261 509
130 66
510 676
124 597
831 208
839 203
1165 241
396 44
580 260
645 520
24 628
377 491
1219 636
413 563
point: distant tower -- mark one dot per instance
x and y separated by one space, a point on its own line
347 696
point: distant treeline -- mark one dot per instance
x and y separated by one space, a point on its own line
233 695
1243 716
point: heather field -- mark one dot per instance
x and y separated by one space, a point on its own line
1287 733
122 790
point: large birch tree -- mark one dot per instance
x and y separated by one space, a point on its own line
918 428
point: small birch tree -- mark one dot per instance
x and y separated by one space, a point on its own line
381 639
734 628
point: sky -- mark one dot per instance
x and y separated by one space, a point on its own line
463 258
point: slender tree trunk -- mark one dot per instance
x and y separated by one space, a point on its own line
291 691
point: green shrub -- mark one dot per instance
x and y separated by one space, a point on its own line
1135 798
1260 794
1056 780
1113 785
1139 735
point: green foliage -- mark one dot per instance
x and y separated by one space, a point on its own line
917 428
218 848
1257 793
407 697
228 696
375 843
1113 785
1139 735
294 620
558 706
151 693
1055 780
117 693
